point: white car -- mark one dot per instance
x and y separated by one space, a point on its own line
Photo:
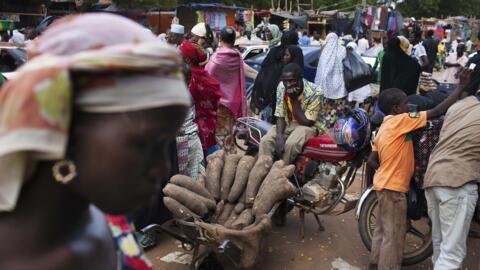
249 51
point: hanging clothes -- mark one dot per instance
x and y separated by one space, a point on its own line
400 25
222 23
369 16
383 18
200 16
207 18
357 23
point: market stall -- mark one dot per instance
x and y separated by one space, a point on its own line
216 15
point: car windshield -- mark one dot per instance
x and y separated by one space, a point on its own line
241 49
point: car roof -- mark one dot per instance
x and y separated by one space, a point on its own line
258 59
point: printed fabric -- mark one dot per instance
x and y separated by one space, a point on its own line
36 106
330 68
310 102
130 255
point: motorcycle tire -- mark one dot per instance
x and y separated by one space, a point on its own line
366 233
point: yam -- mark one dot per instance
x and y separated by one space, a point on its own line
228 175
256 177
190 184
226 212
241 177
270 194
184 196
243 197
278 170
218 211
239 208
201 180
214 172
244 219
233 217
178 210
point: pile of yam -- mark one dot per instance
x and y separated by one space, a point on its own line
236 191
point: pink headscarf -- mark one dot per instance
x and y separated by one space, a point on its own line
226 66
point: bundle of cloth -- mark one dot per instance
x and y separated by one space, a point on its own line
234 200
426 83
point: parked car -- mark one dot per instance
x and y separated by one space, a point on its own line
370 55
249 51
11 57
311 54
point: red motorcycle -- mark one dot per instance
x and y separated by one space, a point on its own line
324 173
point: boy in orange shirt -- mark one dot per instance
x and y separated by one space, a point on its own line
392 157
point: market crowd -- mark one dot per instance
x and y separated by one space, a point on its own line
107 111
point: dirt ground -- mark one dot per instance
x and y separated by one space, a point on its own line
338 247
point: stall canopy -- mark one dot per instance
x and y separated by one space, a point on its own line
298 20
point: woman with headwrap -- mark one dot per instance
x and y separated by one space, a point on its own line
265 86
398 69
273 35
84 127
205 92
330 68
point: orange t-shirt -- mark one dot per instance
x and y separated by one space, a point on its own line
395 151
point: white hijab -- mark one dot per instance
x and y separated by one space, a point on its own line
330 68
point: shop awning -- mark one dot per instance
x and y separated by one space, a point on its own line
298 20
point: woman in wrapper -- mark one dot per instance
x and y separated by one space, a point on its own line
84 129
205 92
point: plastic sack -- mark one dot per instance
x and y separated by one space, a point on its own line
356 72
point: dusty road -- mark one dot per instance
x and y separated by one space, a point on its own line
338 247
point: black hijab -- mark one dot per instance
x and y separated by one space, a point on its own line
399 70
265 86
296 55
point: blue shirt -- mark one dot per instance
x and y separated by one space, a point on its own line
304 41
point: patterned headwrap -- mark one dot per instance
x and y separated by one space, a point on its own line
36 106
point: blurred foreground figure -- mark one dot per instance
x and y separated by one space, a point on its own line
84 128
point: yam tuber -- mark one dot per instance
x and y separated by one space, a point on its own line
190 184
228 175
184 196
280 189
178 210
201 180
244 219
239 208
226 212
214 172
218 211
278 170
256 177
241 177
233 217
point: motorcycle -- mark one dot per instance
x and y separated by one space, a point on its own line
325 171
